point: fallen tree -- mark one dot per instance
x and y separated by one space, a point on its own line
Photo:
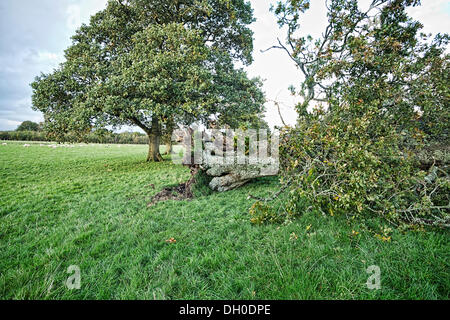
232 176
380 91
229 166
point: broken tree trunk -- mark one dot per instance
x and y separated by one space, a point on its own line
225 163
231 176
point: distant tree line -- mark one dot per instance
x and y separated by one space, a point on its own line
31 131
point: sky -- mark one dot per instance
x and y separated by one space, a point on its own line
34 35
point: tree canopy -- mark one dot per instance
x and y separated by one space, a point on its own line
28 126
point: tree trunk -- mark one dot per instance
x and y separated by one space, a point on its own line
154 139
169 142
168 138
168 147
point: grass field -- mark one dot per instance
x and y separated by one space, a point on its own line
87 206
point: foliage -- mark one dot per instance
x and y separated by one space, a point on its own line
383 94
341 168
23 135
261 213
97 136
28 126
154 66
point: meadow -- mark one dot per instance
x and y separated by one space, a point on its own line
87 205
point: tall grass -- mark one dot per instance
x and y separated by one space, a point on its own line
87 206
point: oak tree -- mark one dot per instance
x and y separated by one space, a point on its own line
153 64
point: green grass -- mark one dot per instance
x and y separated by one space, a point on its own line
87 206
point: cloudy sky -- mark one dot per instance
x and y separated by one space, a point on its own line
34 35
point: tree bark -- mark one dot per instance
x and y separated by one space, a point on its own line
154 139
168 147
169 131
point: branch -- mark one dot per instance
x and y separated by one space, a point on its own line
274 196
140 124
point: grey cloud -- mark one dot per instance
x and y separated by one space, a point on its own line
34 36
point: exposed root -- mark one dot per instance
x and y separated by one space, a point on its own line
180 192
